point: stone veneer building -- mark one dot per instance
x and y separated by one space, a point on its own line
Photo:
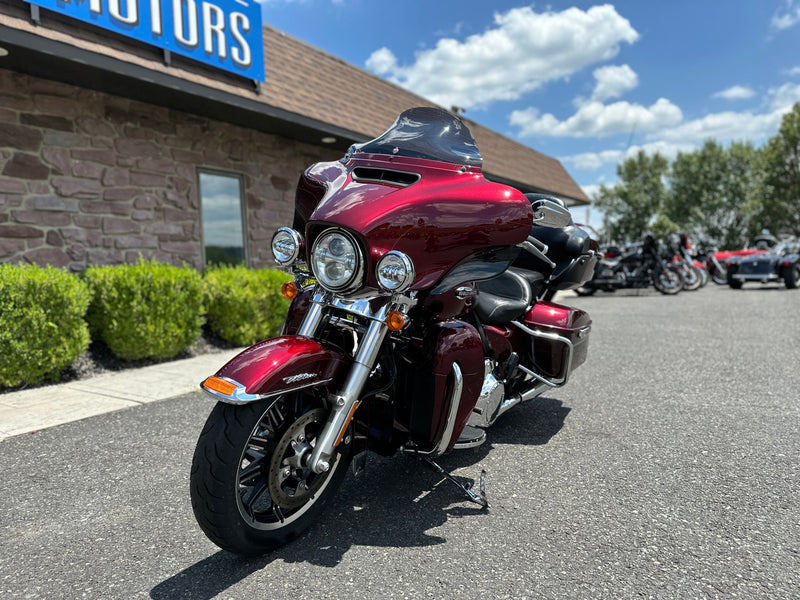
111 149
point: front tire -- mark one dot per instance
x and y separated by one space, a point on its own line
692 278
250 490
668 281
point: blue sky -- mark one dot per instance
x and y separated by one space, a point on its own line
584 82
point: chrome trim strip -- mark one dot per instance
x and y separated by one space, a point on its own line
756 277
240 395
455 402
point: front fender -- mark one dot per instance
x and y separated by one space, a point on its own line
277 366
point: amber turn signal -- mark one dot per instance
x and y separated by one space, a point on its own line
215 384
395 320
289 290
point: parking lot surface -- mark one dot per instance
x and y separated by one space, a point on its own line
666 468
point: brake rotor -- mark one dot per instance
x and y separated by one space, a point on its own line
291 482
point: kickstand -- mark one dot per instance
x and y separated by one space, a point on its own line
466 488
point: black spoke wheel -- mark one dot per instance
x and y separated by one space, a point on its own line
251 489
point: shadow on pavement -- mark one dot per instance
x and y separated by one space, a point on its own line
395 503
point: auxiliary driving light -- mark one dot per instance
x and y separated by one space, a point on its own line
286 244
395 271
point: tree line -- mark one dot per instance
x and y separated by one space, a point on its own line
724 194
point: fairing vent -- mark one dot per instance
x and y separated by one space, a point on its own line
397 178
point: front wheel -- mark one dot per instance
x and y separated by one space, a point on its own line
668 281
692 278
250 489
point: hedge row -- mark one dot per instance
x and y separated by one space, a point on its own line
147 310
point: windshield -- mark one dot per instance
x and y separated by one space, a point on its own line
430 133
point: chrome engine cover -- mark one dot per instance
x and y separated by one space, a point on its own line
487 408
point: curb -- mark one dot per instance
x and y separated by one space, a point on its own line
31 410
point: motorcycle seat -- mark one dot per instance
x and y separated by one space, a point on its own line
507 296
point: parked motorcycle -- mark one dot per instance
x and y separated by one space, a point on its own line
414 325
638 266
677 254
708 254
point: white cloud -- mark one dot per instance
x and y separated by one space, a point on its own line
382 61
736 92
613 81
794 71
726 126
722 126
783 98
591 190
787 16
521 52
595 119
592 161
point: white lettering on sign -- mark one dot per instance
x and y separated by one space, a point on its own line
131 16
188 36
189 24
241 55
214 27
155 17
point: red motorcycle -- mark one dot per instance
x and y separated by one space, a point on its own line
415 323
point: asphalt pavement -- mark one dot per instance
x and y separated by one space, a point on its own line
666 468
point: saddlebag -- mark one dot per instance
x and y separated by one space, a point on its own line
560 339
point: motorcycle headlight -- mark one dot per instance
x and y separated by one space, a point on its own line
395 271
336 260
286 244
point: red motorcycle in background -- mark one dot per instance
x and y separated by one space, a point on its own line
415 322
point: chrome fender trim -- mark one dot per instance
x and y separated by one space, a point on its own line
455 402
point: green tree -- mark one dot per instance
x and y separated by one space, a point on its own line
780 210
630 206
711 190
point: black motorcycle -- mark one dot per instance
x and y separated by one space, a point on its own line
638 266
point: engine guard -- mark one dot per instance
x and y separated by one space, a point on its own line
277 366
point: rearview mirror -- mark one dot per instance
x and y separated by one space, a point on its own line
549 213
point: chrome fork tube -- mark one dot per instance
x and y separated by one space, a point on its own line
313 318
346 402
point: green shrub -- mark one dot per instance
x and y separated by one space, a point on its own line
145 310
42 326
245 305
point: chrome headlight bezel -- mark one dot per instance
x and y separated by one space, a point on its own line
395 272
286 246
354 272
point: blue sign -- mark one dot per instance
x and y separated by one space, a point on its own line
222 33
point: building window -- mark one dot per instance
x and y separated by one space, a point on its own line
222 208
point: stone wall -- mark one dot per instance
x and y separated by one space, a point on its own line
87 178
